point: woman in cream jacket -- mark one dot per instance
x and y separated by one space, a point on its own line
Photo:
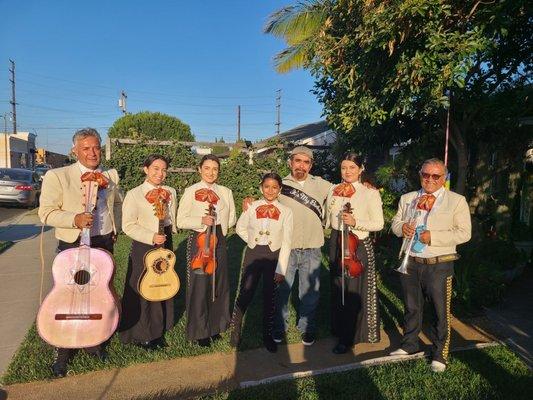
144 322
357 320
207 302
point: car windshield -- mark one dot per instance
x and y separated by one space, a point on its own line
41 170
14 175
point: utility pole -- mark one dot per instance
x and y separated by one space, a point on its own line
238 123
13 100
122 102
278 109
6 136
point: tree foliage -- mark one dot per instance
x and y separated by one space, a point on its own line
386 70
150 125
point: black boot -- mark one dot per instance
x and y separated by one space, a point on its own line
269 344
236 325
59 367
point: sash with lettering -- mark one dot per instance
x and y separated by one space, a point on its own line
302 198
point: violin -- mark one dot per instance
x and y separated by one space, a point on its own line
348 242
204 262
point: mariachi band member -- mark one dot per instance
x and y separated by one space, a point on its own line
204 204
354 302
435 221
61 206
144 322
305 195
266 227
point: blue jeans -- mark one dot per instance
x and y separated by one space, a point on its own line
307 262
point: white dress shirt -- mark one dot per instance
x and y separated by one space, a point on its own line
422 218
102 224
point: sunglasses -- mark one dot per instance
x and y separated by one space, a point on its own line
426 176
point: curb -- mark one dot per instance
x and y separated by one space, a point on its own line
357 365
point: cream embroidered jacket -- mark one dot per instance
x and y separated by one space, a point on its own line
62 198
448 222
139 221
366 208
277 234
191 211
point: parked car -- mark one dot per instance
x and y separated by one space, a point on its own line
19 186
41 169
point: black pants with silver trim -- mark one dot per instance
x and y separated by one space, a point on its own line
432 282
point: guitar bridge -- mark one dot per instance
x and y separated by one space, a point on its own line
70 317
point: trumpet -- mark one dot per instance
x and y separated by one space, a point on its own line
407 245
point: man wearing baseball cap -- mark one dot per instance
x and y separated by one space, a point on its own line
305 194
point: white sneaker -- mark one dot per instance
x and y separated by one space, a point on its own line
399 352
437 366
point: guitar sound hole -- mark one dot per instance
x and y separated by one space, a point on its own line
82 277
160 265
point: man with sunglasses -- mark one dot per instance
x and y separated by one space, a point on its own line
439 219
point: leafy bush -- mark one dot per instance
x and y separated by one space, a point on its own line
128 160
244 178
236 172
480 273
151 125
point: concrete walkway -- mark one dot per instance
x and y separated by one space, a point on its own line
194 376
20 279
514 317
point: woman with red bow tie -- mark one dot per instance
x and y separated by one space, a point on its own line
207 300
144 322
266 227
354 313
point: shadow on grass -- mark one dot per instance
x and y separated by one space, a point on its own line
508 379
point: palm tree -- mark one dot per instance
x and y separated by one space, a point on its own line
300 26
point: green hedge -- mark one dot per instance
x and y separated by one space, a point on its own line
236 172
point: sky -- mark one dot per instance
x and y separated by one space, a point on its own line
195 60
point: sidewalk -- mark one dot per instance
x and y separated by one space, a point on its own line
20 277
194 376
514 317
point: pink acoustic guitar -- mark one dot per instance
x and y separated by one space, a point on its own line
81 309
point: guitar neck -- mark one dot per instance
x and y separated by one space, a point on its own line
161 227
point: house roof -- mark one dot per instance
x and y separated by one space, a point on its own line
299 133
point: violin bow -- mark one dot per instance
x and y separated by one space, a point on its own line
342 250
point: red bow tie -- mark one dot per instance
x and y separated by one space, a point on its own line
267 211
426 202
157 194
344 190
206 195
95 177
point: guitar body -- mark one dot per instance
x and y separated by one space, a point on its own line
159 280
81 309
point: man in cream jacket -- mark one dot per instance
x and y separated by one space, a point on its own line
61 206
440 220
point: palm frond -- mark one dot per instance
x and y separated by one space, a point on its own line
298 22
296 56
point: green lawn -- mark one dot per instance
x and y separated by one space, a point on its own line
492 373
4 246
